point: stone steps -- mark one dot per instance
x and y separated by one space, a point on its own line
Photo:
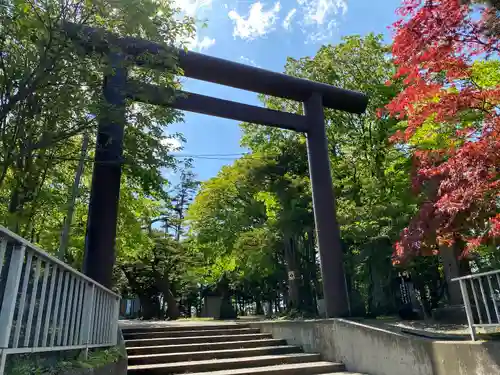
142 359
191 333
159 327
222 364
223 349
195 339
288 369
204 346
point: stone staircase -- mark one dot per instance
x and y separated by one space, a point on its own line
233 349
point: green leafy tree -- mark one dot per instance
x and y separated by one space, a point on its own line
50 93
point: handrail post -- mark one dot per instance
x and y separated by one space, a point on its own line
115 317
88 310
3 360
10 294
8 306
468 309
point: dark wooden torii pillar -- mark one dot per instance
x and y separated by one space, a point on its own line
103 207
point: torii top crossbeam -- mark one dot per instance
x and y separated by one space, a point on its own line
212 69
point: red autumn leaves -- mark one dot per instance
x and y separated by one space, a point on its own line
436 45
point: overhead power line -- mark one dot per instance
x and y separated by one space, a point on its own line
222 157
198 155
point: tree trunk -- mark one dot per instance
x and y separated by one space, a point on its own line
178 227
150 307
227 310
173 312
72 199
163 285
309 272
259 310
449 258
294 276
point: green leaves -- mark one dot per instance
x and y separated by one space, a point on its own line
432 135
486 73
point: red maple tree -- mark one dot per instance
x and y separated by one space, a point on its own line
436 44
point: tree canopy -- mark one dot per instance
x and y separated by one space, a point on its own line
446 57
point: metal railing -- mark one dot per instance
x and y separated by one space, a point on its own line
481 295
45 305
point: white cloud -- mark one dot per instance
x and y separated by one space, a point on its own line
319 11
196 44
195 9
257 23
206 43
192 7
172 143
288 19
320 17
248 61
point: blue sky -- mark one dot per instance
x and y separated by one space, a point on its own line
263 33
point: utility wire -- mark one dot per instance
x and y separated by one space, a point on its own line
198 155
222 157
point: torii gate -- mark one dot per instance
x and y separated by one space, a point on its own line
103 207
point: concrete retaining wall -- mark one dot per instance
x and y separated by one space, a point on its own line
377 351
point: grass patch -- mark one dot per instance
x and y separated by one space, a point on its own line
55 364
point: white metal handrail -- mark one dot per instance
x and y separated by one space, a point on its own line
45 305
483 308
